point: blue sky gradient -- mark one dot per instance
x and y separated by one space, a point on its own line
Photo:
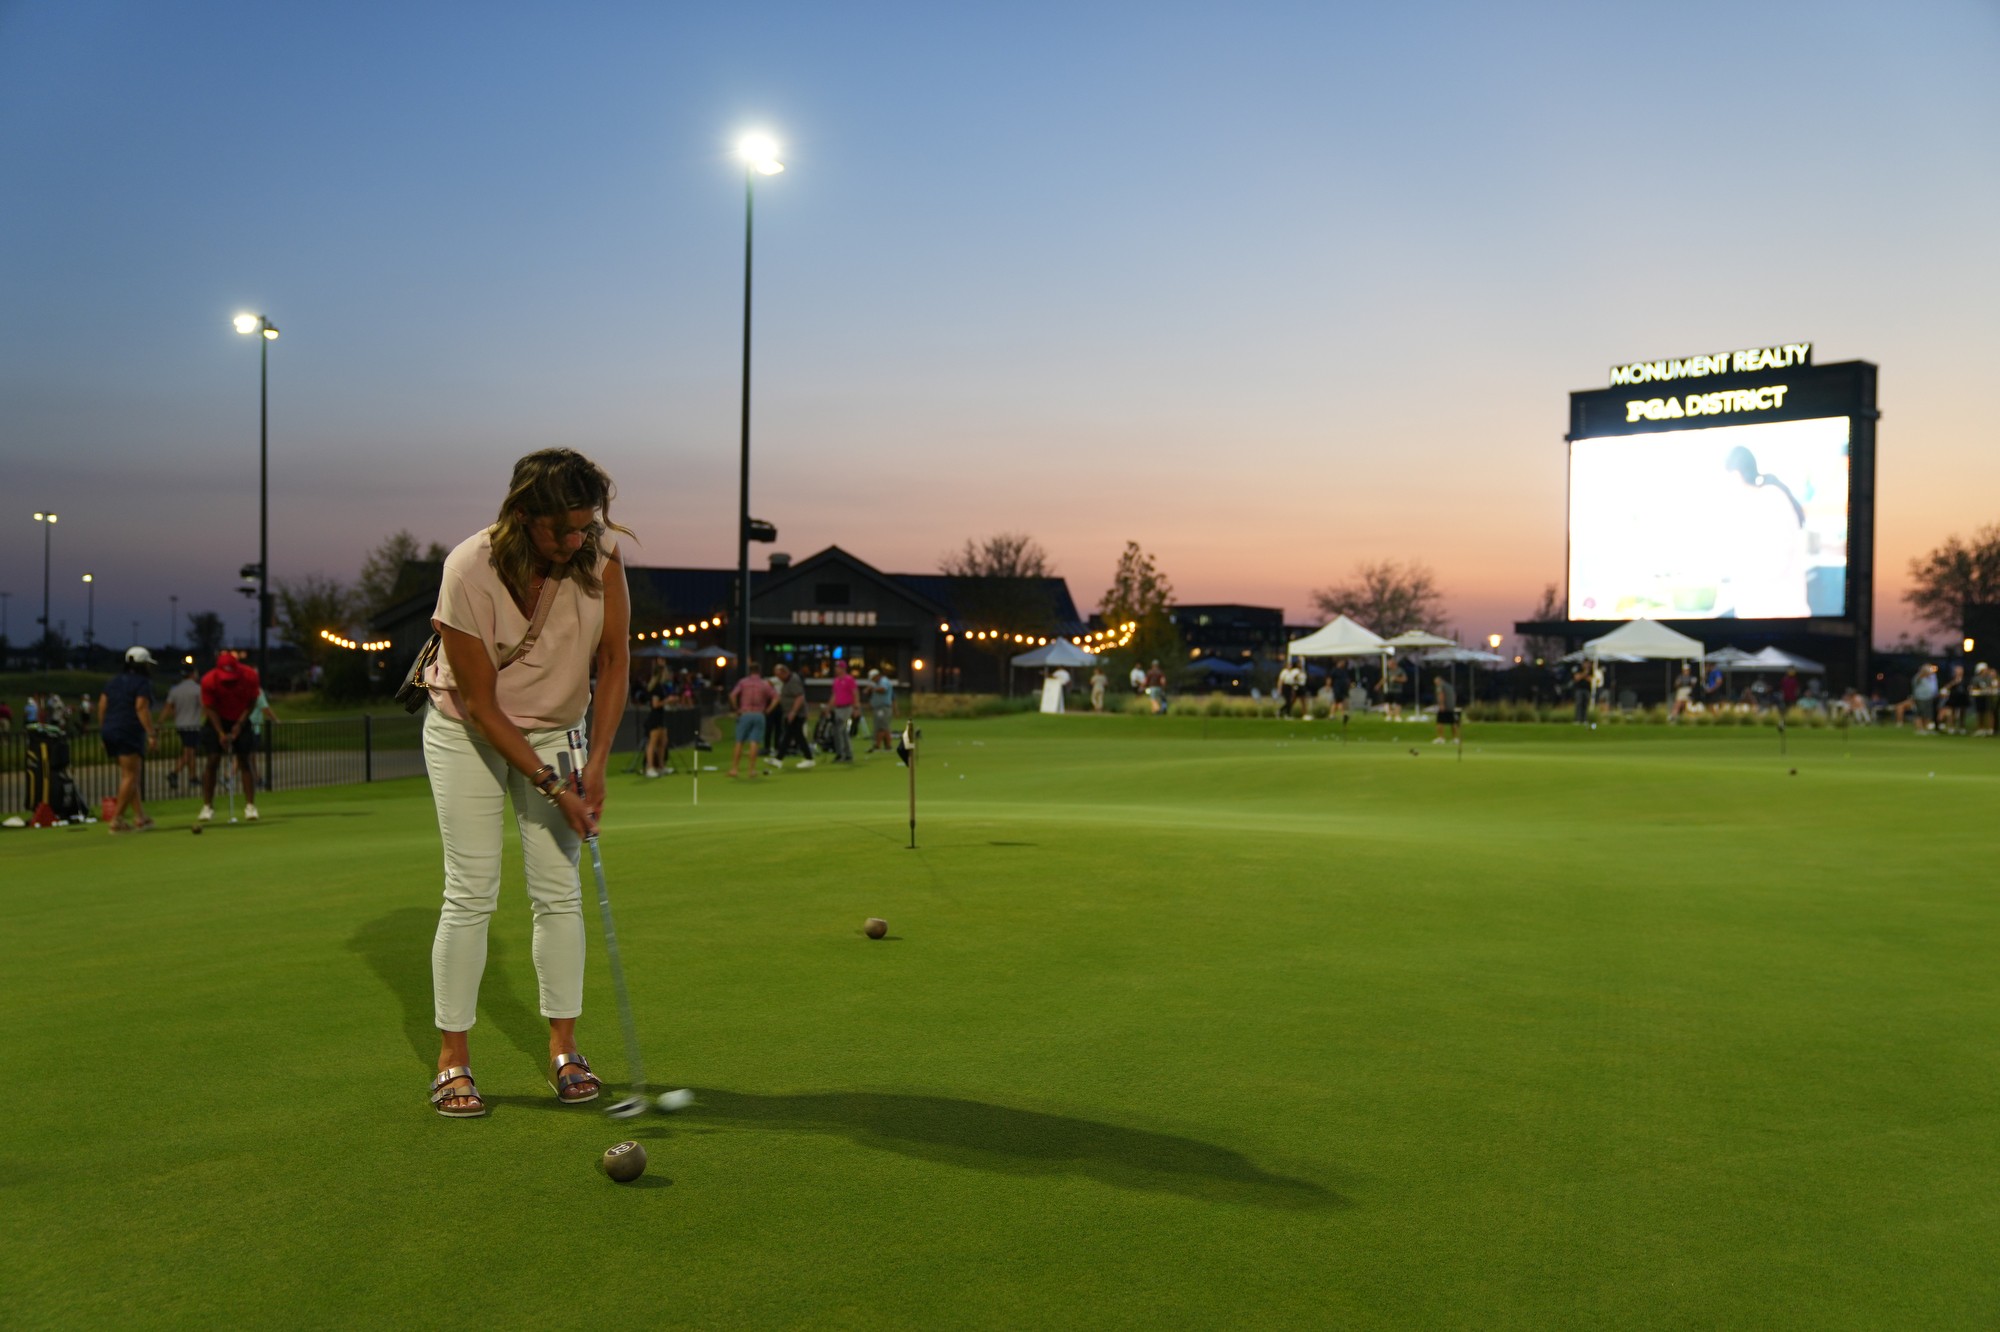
1270 289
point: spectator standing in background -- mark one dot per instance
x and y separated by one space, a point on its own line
1579 684
791 718
1097 684
261 712
1138 678
1447 711
656 720
1788 691
1924 693
1156 688
6 717
183 713
1683 693
31 710
1952 701
845 694
752 696
1985 695
882 702
1292 688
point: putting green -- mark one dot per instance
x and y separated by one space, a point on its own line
1178 1024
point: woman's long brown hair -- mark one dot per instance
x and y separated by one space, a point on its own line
551 483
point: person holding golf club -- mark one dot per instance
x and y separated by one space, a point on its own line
527 607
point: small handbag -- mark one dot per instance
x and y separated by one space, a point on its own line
415 690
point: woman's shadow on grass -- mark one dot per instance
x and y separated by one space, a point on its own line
971 1134
397 948
1010 1141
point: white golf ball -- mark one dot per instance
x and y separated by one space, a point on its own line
678 1099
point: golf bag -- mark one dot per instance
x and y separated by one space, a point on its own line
822 736
49 782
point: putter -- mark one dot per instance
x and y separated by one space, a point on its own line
229 783
631 1107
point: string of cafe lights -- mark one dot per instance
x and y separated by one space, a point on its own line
681 631
1104 640
379 645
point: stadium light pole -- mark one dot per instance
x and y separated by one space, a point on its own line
247 324
90 620
759 153
48 521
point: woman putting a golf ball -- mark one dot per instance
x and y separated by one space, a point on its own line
526 607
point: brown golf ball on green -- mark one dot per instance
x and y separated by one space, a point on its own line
876 927
625 1162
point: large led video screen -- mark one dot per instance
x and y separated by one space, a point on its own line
1746 521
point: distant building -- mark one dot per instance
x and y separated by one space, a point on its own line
830 606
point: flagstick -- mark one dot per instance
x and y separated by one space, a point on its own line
910 761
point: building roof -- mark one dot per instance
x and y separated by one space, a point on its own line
675 595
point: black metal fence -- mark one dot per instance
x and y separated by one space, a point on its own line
292 756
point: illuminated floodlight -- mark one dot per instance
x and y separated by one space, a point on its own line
760 151
91 578
247 323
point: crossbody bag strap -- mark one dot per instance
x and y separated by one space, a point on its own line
522 648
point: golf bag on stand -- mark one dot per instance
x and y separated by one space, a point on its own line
51 790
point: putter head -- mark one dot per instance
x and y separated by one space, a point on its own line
631 1107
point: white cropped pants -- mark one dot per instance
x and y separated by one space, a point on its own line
471 784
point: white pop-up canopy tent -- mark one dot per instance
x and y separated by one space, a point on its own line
1060 652
1418 638
1771 659
1452 656
1053 655
1342 638
1646 639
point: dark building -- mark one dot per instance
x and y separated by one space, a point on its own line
830 606
1231 647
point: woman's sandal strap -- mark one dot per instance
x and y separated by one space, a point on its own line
562 1081
440 1093
448 1075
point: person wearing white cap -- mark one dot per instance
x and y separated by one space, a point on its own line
125 712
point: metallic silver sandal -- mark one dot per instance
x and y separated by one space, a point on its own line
560 1082
469 1092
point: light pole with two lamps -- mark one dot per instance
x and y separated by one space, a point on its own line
48 521
759 153
247 324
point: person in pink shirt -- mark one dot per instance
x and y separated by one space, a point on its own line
753 697
845 694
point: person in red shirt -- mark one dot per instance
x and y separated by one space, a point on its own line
228 693
752 696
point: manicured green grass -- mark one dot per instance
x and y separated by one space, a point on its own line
1180 1024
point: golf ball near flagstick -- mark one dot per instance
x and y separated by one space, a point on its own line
630 1107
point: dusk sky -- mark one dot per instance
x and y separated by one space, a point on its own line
1270 289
